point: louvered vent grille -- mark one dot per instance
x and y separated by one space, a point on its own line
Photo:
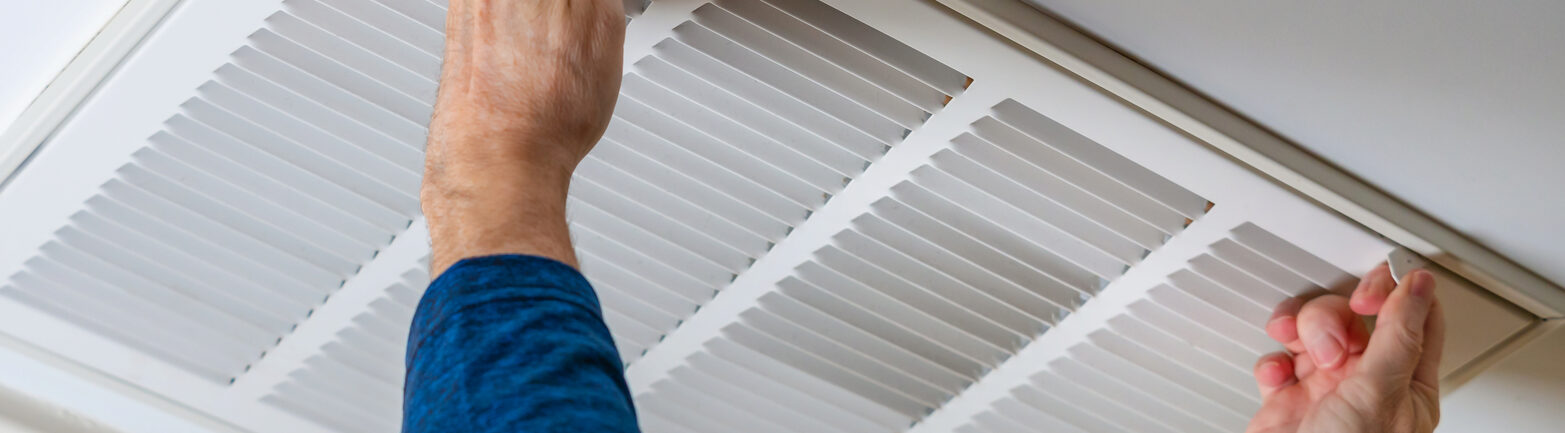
1178 359
926 293
355 383
724 139
301 159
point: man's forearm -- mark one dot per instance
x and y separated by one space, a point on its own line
527 88
483 202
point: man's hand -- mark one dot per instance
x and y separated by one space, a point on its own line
527 88
1341 378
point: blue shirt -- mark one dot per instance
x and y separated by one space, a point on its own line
513 343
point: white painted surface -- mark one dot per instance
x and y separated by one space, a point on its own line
1454 107
1523 393
37 39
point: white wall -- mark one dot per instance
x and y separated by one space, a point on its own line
37 39
1454 106
1525 393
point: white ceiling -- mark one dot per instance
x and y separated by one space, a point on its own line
1456 107
37 40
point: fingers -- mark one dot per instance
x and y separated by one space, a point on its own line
1403 332
1330 331
1428 371
1274 372
1373 290
1284 325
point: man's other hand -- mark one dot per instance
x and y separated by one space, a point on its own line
1338 377
527 88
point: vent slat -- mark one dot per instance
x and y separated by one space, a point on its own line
829 371
825 175
1176 348
276 77
719 411
775 206
1214 319
236 218
1089 400
267 309
1235 280
814 68
363 34
1062 285
766 174
196 267
324 236
586 216
1262 268
223 256
802 113
661 298
1137 399
339 171
883 292
787 393
1086 192
1235 305
426 13
330 71
183 218
1033 419
844 157
129 337
710 198
1139 378
276 192
805 36
271 124
1082 149
673 230
1176 371
972 223
1298 260
377 15
642 265
874 43
621 185
1193 334
1008 217
106 309
802 338
1065 408
156 297
1033 156
1082 231
765 70
299 178
932 347
750 401
402 147
380 69
869 345
897 262
949 263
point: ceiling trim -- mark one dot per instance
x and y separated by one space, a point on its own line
123 33
1185 110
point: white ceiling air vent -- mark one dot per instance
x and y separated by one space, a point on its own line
806 216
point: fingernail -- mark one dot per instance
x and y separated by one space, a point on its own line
1326 350
1423 284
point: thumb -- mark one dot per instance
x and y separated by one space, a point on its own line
1402 346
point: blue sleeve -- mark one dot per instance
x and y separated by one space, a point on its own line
513 344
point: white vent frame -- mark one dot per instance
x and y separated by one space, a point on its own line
1106 85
